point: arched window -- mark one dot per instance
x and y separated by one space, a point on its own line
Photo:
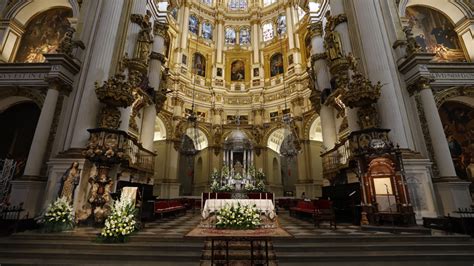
199 64
276 64
301 13
267 31
207 30
42 35
230 37
237 4
193 24
174 13
244 36
207 2
281 25
268 2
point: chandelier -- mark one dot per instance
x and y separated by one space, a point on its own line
290 144
190 138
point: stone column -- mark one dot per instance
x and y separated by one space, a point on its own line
337 9
220 40
43 128
377 51
320 68
157 59
184 27
452 192
289 26
29 189
98 70
255 41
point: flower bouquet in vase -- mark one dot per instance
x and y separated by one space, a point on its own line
59 216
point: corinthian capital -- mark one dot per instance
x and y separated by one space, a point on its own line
316 29
160 28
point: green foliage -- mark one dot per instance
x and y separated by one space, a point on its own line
59 216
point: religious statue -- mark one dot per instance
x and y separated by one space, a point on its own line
333 45
100 194
238 167
67 44
136 106
143 46
69 182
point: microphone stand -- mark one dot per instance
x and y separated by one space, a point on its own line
390 209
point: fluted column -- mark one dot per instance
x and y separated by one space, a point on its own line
377 51
98 70
43 128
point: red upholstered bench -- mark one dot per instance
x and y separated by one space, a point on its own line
303 207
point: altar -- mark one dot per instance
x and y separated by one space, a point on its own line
263 205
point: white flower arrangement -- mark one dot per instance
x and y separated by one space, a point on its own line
240 217
58 216
121 222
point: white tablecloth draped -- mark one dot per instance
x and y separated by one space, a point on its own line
264 205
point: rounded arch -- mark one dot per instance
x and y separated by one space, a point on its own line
199 138
453 11
21 94
23 11
13 100
315 131
275 139
463 94
160 130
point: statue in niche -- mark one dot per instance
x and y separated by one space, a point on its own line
238 167
142 48
136 106
333 45
69 182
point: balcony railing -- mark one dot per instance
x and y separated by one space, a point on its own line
336 158
111 146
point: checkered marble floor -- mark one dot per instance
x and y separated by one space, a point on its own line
178 226
304 228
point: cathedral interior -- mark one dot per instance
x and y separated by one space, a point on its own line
369 104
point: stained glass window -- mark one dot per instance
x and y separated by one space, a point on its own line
174 13
230 37
237 4
281 25
193 24
267 31
268 2
244 37
207 2
207 30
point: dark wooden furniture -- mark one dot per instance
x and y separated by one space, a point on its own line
10 218
303 207
324 212
168 206
145 198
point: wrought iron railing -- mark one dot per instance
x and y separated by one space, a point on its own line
336 158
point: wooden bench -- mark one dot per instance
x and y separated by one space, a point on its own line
324 212
168 206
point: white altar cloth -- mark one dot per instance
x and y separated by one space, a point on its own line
264 205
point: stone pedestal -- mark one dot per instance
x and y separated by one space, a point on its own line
30 192
420 188
166 190
57 168
453 193
311 190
